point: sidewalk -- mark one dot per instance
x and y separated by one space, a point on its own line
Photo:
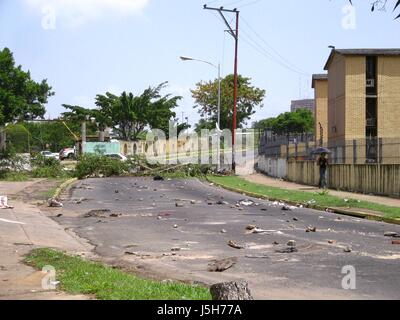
22 229
273 182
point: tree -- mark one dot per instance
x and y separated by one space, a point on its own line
300 121
129 115
206 98
263 124
21 98
381 5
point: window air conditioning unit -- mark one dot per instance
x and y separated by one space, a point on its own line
370 83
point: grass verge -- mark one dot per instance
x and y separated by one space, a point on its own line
78 276
54 190
322 200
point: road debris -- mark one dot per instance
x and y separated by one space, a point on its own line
392 234
246 203
100 213
348 249
222 265
311 229
115 215
53 203
291 243
287 250
234 245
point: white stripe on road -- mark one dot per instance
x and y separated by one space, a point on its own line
10 221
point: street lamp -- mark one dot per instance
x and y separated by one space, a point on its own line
218 125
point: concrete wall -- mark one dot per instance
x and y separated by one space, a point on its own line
101 147
381 179
274 167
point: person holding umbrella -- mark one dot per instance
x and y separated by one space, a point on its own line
323 163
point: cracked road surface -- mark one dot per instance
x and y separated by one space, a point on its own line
175 229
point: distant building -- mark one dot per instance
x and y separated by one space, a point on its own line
308 104
364 104
320 86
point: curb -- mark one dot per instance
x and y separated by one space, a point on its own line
342 211
63 187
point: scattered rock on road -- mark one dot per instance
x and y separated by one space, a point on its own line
222 265
348 249
287 250
229 291
291 243
100 213
234 245
392 234
311 229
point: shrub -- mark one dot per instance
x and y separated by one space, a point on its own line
97 165
47 168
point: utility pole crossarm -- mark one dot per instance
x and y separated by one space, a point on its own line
220 11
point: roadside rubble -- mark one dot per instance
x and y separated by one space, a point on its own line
53 203
4 203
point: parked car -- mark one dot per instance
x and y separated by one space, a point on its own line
67 153
117 156
49 155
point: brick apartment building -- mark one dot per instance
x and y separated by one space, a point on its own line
358 105
320 86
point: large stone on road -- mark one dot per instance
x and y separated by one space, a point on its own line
227 291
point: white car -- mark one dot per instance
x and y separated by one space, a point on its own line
67 153
117 156
50 155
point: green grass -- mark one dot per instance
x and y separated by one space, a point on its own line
50 192
322 199
78 276
15 177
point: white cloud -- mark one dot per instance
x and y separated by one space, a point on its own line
78 12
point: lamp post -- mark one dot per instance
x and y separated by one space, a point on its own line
218 124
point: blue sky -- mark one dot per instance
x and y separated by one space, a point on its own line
116 45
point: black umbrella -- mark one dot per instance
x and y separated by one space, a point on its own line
321 150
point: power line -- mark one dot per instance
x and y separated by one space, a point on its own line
251 3
293 66
256 46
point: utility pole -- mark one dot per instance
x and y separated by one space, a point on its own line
235 35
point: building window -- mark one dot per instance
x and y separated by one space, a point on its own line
371 75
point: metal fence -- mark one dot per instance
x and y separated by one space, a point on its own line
355 151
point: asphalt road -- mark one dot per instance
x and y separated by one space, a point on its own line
149 226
